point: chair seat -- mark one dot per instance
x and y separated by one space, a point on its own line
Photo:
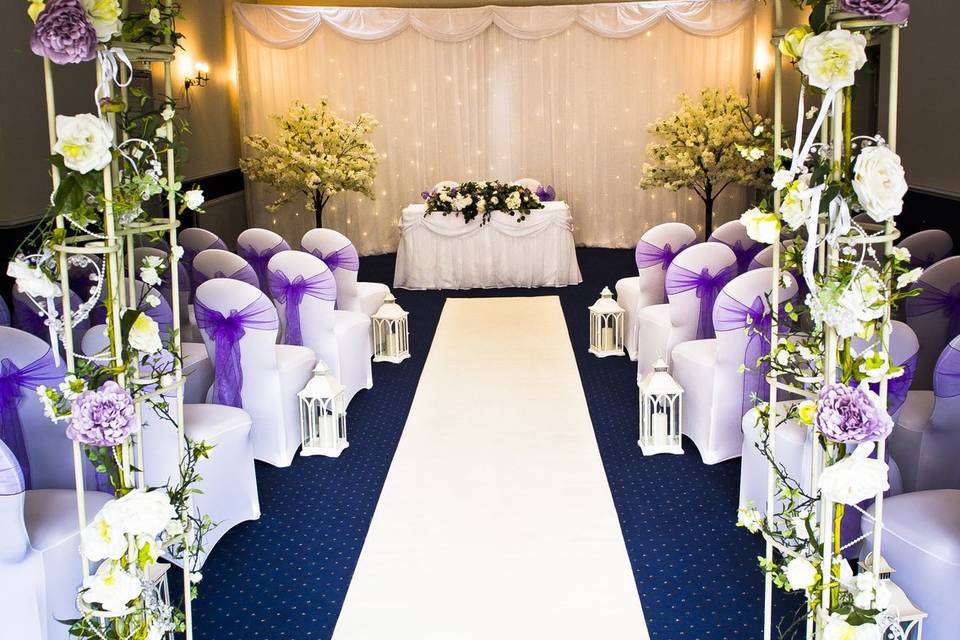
349 320
292 357
697 352
194 355
927 520
210 421
50 515
916 411
369 297
658 314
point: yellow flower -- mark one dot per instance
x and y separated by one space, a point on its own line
35 8
806 411
791 45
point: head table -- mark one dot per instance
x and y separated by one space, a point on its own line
443 252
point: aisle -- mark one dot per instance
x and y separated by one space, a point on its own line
496 520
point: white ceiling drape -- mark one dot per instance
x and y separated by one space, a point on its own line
562 94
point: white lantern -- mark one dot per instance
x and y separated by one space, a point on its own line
606 326
391 335
323 415
660 412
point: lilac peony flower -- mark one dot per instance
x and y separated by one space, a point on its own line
63 33
851 415
102 417
890 10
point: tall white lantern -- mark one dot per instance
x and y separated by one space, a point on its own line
606 326
660 412
323 415
391 335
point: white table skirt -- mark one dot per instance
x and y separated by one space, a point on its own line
441 252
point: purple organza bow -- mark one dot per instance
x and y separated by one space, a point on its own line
731 315
898 387
259 259
648 254
345 258
680 279
548 194
226 331
13 382
291 292
744 254
946 375
933 299
243 274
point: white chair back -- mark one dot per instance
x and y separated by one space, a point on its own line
529 183
445 184
217 263
927 247
14 541
935 315
257 246
314 315
690 305
670 237
734 235
765 257
340 256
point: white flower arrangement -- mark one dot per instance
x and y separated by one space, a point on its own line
85 142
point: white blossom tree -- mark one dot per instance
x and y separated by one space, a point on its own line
708 144
316 153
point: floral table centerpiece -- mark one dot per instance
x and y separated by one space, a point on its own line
480 199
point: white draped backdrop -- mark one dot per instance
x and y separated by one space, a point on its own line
561 94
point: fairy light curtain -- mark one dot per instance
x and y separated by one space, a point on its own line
560 94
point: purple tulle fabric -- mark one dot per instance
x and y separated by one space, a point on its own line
259 259
291 293
546 194
946 375
648 254
932 299
243 274
745 255
732 315
12 481
924 262
707 285
27 318
226 332
345 258
183 278
897 388
14 382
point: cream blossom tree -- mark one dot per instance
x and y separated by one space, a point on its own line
711 142
315 153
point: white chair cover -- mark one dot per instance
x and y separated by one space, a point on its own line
927 247
529 183
194 240
926 438
734 235
257 246
40 570
765 257
654 253
339 254
228 484
935 315
253 372
305 291
183 284
218 263
27 318
445 184
716 392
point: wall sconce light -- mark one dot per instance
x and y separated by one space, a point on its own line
199 80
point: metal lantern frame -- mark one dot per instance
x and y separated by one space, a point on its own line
606 326
391 332
661 413
115 247
323 415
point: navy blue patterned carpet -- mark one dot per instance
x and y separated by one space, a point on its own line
286 575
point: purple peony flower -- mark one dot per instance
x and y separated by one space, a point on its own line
851 415
102 417
63 33
890 10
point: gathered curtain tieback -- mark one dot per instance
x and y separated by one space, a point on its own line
259 259
13 382
226 332
707 285
344 258
290 293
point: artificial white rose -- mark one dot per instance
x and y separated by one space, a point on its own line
85 142
513 200
831 59
144 334
152 261
100 540
875 366
462 202
193 199
196 577
155 19
167 113
879 182
793 208
149 275
152 301
781 179
904 280
901 254
104 16
141 512
855 478
31 280
750 519
177 252
839 629
761 226
801 574
112 588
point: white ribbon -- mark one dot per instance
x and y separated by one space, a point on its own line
51 314
110 64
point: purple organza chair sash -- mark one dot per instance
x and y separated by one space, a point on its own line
933 299
897 388
226 331
744 254
162 314
648 254
546 194
707 285
946 375
259 260
14 382
924 262
291 293
345 258
243 274
732 315
27 318
183 278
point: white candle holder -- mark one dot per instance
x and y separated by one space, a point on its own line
323 415
606 326
391 333
660 412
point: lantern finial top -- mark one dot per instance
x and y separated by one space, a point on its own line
660 366
606 303
390 310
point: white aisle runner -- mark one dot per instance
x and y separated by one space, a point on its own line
496 521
